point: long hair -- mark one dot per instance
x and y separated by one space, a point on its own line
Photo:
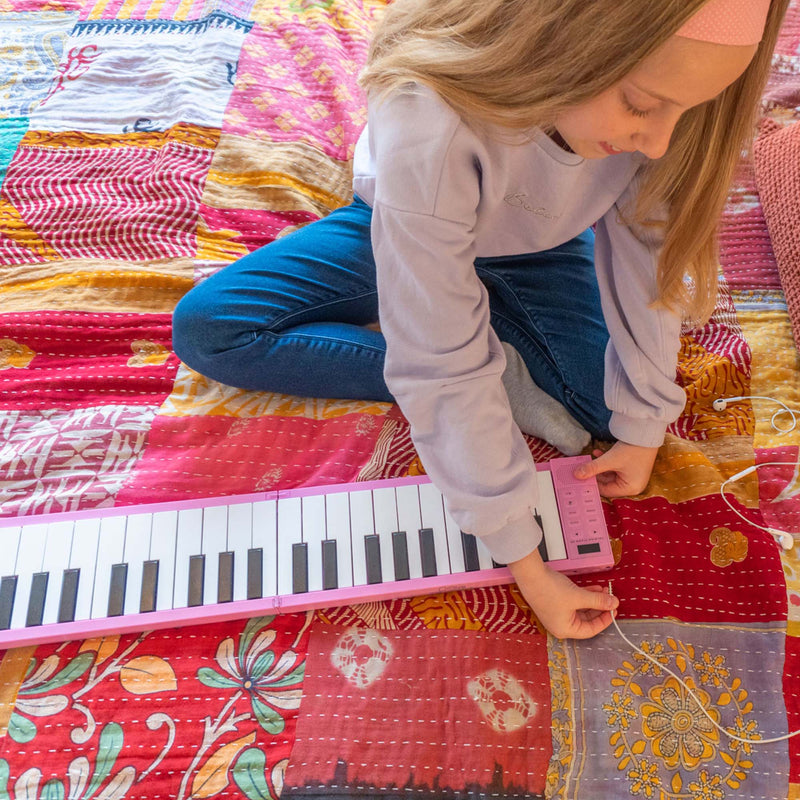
515 65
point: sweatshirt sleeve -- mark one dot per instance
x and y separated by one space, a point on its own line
642 353
444 362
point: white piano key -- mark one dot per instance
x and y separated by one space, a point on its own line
290 531
337 517
409 520
110 549
547 507
83 557
362 523
189 543
265 536
384 505
313 535
137 551
9 545
55 560
163 542
29 560
240 538
432 510
455 548
215 541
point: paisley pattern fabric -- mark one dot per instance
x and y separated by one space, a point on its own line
144 144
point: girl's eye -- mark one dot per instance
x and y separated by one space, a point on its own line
637 112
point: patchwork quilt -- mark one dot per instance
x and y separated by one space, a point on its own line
144 144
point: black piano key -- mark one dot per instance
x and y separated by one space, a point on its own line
197 577
470 548
255 572
69 595
37 598
147 597
372 553
300 567
330 565
116 592
225 577
427 550
543 543
8 589
400 556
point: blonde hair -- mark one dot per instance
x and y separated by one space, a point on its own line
516 64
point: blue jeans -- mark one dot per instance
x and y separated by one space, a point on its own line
290 317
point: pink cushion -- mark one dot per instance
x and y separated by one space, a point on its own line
777 165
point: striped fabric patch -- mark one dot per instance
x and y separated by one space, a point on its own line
126 197
745 248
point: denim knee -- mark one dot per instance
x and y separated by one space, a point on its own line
197 335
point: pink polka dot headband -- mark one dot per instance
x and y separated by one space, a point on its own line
728 22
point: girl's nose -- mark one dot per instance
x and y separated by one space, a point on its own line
653 137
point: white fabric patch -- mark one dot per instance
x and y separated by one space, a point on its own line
121 76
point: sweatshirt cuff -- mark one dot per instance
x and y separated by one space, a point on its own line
644 433
515 540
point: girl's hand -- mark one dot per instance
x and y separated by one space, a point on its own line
565 609
621 471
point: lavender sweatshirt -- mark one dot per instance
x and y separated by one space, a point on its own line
444 193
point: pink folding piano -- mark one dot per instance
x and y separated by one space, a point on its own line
89 573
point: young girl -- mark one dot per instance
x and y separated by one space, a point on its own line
536 197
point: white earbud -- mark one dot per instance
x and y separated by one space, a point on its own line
721 403
783 538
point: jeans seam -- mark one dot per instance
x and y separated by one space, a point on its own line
289 315
549 354
319 338
548 358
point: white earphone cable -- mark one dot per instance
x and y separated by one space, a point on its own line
721 403
784 538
